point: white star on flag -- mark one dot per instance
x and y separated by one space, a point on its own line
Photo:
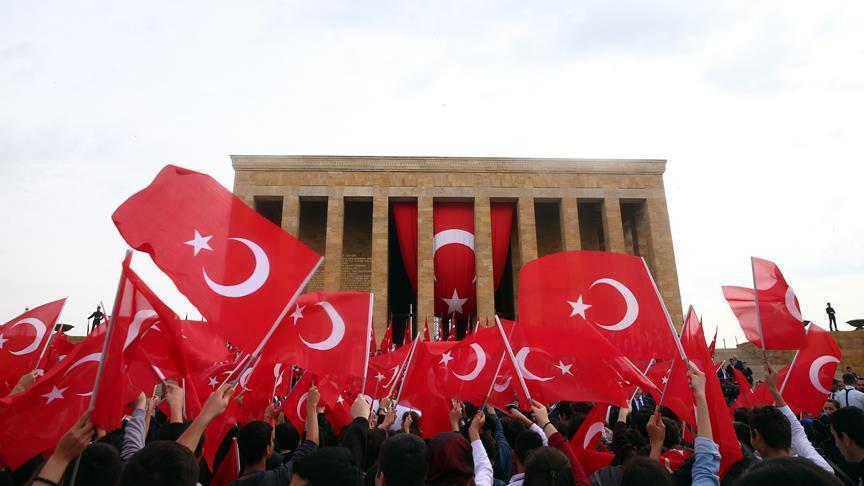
454 303
213 383
579 307
340 400
2 341
446 358
379 376
565 369
665 380
55 394
298 313
200 242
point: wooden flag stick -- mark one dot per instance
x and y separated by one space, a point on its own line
494 378
512 358
404 371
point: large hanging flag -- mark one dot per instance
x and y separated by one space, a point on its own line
586 441
32 422
453 254
612 292
240 270
23 341
770 317
387 340
806 382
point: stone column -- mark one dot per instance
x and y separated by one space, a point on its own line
380 238
425 264
291 213
483 258
570 223
527 241
613 227
333 245
665 274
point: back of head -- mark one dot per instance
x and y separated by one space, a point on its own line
548 467
161 462
673 433
849 379
403 460
329 465
253 439
787 471
772 424
643 471
742 431
287 436
452 462
849 421
512 429
173 431
526 443
741 414
100 465
374 440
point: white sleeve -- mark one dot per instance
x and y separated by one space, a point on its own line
800 444
482 466
537 430
859 399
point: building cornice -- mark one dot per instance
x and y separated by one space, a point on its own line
328 163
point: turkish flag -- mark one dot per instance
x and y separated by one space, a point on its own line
387 340
218 428
239 269
777 309
466 370
696 348
136 312
746 397
258 385
294 405
504 389
59 348
673 459
406 336
572 363
31 422
229 470
373 346
675 384
453 254
326 332
423 390
586 442
807 381
22 340
383 375
612 292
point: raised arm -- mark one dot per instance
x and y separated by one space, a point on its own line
482 466
706 461
71 445
558 441
215 405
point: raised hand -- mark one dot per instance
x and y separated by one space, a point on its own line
360 407
476 425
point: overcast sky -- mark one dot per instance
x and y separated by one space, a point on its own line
757 106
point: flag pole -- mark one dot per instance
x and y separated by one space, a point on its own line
100 370
368 335
791 365
758 311
494 378
512 358
405 370
52 336
666 313
281 316
643 373
666 385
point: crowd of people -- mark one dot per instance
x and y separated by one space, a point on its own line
527 445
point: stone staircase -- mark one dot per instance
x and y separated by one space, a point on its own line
751 356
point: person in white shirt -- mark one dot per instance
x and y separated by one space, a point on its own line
849 396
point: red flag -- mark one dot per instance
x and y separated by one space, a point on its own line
294 405
426 336
229 470
746 397
373 346
572 363
406 336
383 376
135 312
586 441
693 340
713 342
673 459
59 348
326 332
422 388
23 340
218 429
807 381
776 317
31 422
240 270
612 292
387 340
453 255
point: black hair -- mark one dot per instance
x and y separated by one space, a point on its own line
787 471
673 433
404 460
162 462
173 430
644 471
772 424
100 465
287 436
374 440
849 421
253 440
742 431
548 467
849 379
741 415
330 465
526 442
512 429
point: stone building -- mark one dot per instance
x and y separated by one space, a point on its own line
341 207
